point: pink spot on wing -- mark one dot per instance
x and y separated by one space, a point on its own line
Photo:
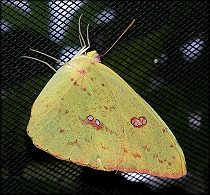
84 89
76 84
90 118
96 123
74 143
111 108
72 79
146 148
81 71
136 155
109 131
138 122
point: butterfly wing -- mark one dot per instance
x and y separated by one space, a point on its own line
149 145
87 114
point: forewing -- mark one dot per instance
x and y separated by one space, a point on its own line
148 148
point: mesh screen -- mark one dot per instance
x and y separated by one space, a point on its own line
163 57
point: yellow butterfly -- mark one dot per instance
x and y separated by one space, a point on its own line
89 115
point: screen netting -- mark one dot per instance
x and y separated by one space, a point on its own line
163 56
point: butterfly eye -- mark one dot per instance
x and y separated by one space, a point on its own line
98 59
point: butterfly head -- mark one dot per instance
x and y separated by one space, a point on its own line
95 55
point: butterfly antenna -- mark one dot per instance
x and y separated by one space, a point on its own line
118 38
88 40
39 61
82 41
46 55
